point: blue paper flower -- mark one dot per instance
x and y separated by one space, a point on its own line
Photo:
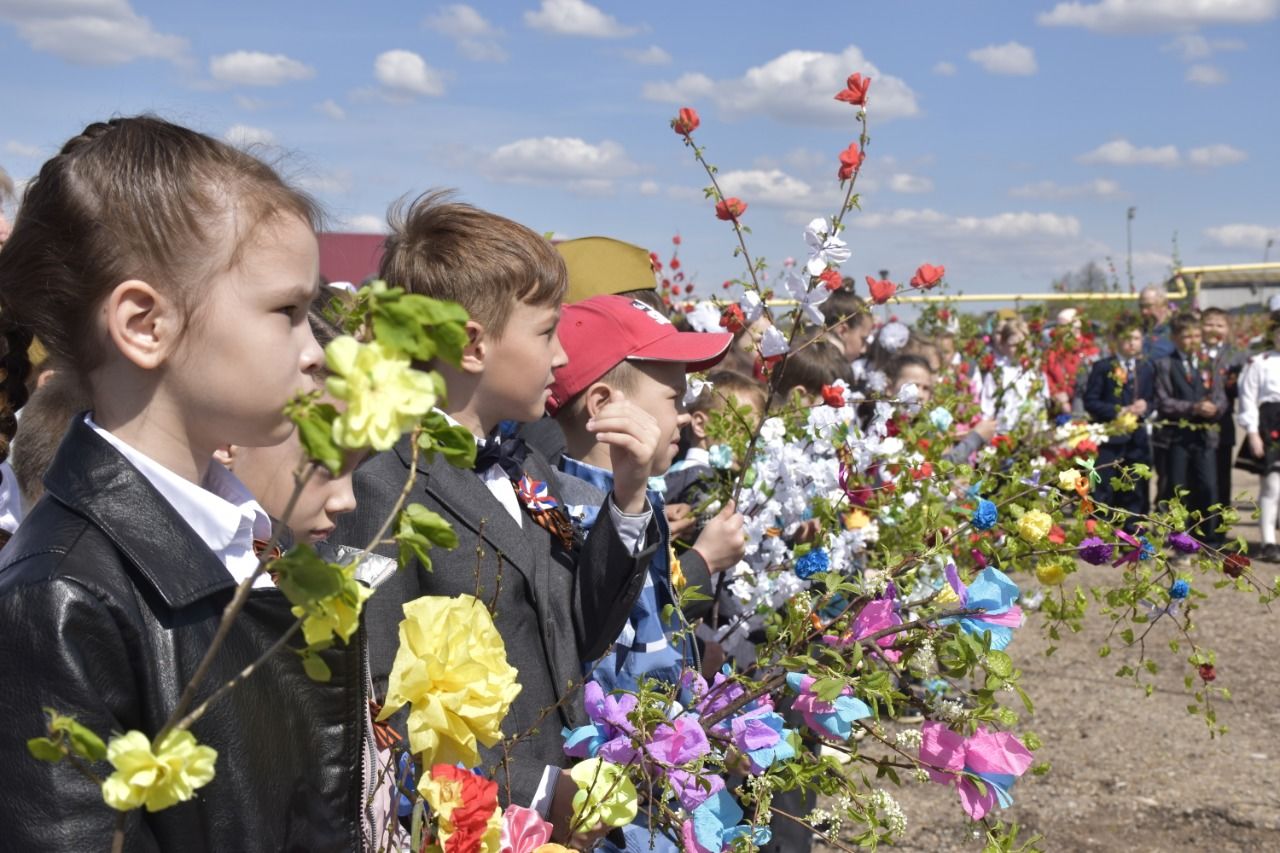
715 825
1180 589
941 419
812 563
720 456
984 517
995 593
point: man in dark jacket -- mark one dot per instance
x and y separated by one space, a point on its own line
1122 383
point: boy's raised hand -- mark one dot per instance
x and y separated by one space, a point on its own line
721 542
634 439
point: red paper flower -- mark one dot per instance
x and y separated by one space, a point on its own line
675 263
880 289
833 396
850 160
1233 565
686 122
732 319
855 91
831 279
924 470
730 208
763 367
474 800
688 288
1207 672
927 276
676 239
727 285
655 261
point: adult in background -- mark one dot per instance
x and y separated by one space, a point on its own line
1227 360
1153 302
1066 365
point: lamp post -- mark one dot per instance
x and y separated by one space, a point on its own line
1266 253
1128 228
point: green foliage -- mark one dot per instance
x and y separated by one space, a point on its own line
421 529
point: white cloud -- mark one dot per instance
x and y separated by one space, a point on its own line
325 183
1216 155
649 188
584 167
475 37
1010 58
797 86
22 149
250 104
1097 188
1242 236
776 188
244 136
405 74
907 183
1000 227
253 68
1144 16
91 32
1122 152
1193 46
363 223
332 109
651 55
576 18
1203 74
946 69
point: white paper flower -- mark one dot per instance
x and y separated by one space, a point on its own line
808 299
694 390
908 393
825 249
773 343
705 317
877 381
751 306
893 336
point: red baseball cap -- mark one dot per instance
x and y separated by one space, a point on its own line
604 331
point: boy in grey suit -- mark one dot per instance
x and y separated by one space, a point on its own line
556 601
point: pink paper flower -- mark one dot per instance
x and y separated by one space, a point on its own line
997 758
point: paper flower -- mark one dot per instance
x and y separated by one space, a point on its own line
686 121
157 779
831 720
693 789
985 515
714 826
1183 543
325 596
451 669
1179 589
997 758
941 419
812 563
762 737
384 395
609 725
825 249
1034 525
605 795
893 336
1095 551
992 591
1054 570
1068 479
808 300
679 742
465 806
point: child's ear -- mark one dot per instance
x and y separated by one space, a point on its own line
698 424
596 398
477 347
226 456
143 325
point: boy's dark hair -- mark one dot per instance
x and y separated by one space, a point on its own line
1215 312
623 376
726 384
45 419
843 305
1182 322
816 364
893 370
130 198
1125 323
486 263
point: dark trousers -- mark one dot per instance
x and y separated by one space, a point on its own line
1110 459
1225 457
1193 466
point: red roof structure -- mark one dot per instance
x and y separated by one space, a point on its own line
350 257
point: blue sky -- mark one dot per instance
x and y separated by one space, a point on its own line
1008 138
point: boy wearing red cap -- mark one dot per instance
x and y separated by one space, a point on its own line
622 350
557 600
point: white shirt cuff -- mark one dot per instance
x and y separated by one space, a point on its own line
631 528
546 791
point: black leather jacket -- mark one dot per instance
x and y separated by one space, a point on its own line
108 600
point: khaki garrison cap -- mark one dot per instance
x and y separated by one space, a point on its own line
600 266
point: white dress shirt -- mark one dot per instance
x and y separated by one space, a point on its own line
1259 383
221 510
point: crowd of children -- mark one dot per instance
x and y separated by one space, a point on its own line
158 268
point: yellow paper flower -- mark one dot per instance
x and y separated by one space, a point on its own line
1067 479
1052 572
334 614
156 780
1125 422
451 669
385 396
605 795
553 848
1034 525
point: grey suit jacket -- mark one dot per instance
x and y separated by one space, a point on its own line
1176 395
555 610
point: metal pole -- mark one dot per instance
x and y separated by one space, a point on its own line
1266 253
1128 228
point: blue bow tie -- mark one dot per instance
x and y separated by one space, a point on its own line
507 453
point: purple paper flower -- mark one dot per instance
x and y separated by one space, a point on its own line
677 743
1183 542
1094 550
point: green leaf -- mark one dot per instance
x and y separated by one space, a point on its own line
315 433
84 742
999 664
45 749
315 667
419 326
419 530
304 577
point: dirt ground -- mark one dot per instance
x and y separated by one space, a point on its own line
1137 773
